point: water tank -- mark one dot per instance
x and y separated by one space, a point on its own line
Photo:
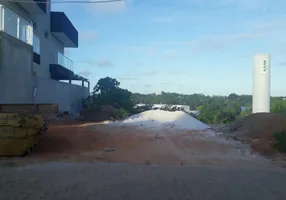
261 84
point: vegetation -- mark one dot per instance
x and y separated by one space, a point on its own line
120 114
108 92
280 141
212 109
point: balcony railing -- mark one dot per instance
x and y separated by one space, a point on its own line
36 44
64 61
15 26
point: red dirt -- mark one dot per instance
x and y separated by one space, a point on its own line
84 142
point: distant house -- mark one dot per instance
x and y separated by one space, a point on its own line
185 108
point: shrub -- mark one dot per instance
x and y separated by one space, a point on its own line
120 114
280 141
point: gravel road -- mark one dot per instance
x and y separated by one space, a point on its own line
80 181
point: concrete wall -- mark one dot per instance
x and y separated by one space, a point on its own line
18 85
15 70
48 46
67 96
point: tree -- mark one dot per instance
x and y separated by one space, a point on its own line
233 108
278 106
222 117
108 92
105 85
233 97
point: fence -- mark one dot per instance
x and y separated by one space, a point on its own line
36 44
64 61
15 26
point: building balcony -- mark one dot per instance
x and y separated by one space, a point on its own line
36 50
62 69
15 26
63 29
34 6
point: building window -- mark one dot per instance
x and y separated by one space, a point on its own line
34 25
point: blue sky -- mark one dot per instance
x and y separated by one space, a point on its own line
185 46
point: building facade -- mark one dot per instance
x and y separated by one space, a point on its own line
32 60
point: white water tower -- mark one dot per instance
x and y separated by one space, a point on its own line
261 84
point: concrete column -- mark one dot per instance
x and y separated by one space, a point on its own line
88 83
70 81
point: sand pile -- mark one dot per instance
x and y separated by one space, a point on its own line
159 118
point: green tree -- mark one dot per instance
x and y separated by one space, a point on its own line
108 92
222 117
278 106
233 108
233 97
105 85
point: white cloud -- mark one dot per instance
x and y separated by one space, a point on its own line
147 85
138 64
211 43
241 4
137 75
87 35
207 43
84 73
163 19
87 62
105 63
128 79
109 7
166 83
171 54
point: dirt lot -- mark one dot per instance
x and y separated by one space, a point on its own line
70 163
79 142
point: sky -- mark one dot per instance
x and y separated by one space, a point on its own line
184 46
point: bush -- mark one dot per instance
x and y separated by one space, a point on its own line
121 114
280 141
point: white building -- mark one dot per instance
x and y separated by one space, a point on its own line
33 64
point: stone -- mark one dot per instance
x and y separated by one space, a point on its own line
107 149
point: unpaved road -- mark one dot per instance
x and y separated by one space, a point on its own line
156 163
138 145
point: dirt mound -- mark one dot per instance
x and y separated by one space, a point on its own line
98 115
261 125
258 129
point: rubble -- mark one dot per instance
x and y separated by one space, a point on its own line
107 149
256 130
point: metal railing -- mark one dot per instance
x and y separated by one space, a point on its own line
15 26
36 44
64 61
